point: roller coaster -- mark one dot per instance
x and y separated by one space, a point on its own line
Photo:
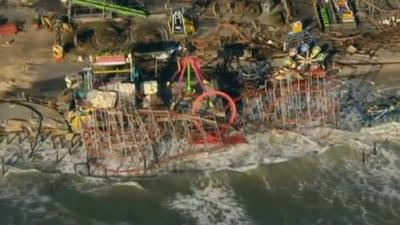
135 10
118 117
120 123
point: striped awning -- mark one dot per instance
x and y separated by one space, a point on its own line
110 60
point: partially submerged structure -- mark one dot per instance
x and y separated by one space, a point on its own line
160 97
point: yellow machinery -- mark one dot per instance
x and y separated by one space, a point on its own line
58 52
189 26
58 27
76 118
58 49
348 17
179 24
49 22
297 27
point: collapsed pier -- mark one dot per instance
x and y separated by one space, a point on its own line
153 97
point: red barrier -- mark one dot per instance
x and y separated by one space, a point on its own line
8 29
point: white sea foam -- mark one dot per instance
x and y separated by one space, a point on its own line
369 191
212 202
263 148
130 184
29 201
339 179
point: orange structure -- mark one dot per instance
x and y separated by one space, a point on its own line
8 29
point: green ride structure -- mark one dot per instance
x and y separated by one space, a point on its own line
112 6
325 17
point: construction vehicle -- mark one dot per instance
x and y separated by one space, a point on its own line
58 25
58 47
179 24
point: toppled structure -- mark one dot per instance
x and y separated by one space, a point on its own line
132 125
160 93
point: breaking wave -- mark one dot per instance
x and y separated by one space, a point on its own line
314 176
355 180
25 199
211 201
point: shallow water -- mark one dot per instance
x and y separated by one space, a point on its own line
334 187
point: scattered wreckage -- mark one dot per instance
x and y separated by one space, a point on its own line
172 95
132 123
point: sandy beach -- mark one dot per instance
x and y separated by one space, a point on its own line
26 60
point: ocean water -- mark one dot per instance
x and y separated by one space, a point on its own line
330 186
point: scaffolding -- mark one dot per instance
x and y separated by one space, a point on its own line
293 102
144 142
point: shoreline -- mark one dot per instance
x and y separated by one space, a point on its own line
29 68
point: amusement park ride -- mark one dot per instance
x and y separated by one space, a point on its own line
136 124
121 120
145 110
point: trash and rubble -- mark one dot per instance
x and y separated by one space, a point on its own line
8 29
157 92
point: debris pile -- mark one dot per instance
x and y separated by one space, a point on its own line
157 91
